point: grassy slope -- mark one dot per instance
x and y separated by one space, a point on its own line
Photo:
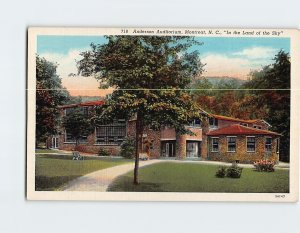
53 171
175 177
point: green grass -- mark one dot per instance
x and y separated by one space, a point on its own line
48 151
54 171
183 177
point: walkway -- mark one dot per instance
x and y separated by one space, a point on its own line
100 180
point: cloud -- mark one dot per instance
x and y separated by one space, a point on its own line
257 53
223 65
76 85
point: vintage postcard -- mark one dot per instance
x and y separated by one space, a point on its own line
163 114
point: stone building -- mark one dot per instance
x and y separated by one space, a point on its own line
215 137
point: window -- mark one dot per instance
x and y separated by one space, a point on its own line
69 138
256 126
268 145
250 144
214 144
85 111
68 111
244 124
213 122
231 144
195 123
110 134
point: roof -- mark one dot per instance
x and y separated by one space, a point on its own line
226 118
84 104
240 130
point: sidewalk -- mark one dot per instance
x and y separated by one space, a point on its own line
100 180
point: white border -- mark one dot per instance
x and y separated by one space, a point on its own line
129 196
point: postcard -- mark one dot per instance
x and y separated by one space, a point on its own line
163 114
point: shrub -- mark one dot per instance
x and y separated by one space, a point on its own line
103 152
234 171
264 165
127 148
221 172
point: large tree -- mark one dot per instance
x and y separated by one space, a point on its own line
150 75
49 95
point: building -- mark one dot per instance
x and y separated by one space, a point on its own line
216 137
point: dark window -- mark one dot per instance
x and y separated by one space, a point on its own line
69 138
68 111
268 144
85 111
196 123
250 144
110 134
257 127
215 144
213 122
244 124
231 142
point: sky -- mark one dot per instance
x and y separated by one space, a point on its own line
223 56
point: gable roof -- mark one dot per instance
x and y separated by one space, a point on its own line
240 130
226 118
84 104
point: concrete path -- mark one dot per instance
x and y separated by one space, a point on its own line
100 180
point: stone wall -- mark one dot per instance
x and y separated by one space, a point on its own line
241 153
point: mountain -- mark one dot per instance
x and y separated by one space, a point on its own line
225 79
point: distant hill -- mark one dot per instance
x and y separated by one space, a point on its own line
80 99
215 80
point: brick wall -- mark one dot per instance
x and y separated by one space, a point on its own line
241 153
88 147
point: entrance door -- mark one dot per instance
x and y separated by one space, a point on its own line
168 149
193 149
55 142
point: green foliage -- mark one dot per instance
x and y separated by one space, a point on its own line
77 123
275 77
49 95
221 172
234 171
128 148
103 152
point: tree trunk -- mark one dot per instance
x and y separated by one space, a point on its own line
138 138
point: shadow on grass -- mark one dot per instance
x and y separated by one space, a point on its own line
44 183
128 186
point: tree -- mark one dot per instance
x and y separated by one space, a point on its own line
150 75
275 82
49 95
77 124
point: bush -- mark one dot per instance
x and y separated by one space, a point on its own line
127 148
264 166
103 152
221 172
234 171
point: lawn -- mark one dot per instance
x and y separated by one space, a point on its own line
186 177
54 171
48 151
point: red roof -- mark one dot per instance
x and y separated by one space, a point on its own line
240 130
234 119
84 104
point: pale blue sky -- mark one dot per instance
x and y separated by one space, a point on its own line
223 56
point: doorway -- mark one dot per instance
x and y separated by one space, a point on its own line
55 142
193 149
168 149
